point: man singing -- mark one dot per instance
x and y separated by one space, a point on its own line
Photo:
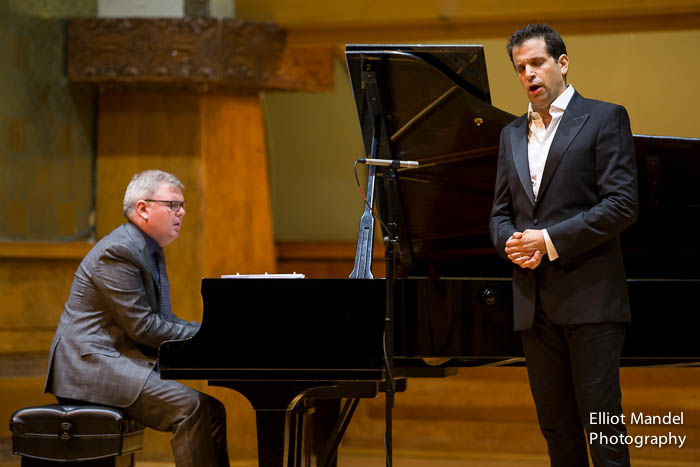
566 186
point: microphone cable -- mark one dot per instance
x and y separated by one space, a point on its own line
390 377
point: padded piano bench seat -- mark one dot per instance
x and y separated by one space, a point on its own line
75 435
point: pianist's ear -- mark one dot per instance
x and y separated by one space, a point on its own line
141 210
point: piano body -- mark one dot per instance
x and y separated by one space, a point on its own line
281 341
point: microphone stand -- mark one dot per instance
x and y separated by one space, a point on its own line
390 255
381 146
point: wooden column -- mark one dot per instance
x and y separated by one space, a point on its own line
237 234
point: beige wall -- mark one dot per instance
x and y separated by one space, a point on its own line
653 74
313 139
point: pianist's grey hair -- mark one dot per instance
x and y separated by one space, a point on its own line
144 184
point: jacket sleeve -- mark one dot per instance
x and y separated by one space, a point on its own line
502 223
120 280
616 175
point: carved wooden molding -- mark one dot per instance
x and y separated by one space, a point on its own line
204 53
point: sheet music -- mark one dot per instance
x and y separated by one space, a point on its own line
263 276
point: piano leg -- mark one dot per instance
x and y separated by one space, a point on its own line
273 445
280 417
296 435
280 438
329 425
279 431
324 418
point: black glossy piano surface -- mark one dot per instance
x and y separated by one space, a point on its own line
277 340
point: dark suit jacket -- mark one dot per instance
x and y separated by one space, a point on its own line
110 317
587 196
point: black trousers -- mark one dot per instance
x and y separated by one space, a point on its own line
574 371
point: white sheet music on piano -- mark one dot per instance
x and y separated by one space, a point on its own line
294 275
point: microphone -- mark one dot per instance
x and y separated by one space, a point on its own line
395 163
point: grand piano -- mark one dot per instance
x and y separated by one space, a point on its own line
286 344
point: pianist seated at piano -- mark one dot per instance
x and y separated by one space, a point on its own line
118 312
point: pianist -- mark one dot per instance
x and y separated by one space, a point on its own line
117 314
566 186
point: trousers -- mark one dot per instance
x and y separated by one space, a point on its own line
197 421
574 373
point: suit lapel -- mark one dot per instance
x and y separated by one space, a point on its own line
518 141
136 237
571 123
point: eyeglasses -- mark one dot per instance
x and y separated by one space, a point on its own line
173 205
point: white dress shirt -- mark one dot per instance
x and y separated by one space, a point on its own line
538 142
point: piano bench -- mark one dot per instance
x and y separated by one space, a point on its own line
75 436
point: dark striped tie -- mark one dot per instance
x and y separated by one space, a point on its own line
165 311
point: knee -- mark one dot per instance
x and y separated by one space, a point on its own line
216 404
201 405
204 403
216 408
187 408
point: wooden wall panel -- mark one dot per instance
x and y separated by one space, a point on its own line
32 296
237 234
395 21
323 260
20 392
21 383
288 12
44 251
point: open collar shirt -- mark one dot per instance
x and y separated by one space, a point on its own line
538 143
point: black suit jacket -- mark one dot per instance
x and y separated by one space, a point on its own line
587 196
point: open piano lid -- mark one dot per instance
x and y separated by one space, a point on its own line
435 107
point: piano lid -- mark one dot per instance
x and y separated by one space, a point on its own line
435 107
432 103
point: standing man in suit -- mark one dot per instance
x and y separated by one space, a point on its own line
117 314
566 186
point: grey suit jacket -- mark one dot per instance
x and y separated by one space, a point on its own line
110 319
587 196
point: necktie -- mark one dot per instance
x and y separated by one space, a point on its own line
163 288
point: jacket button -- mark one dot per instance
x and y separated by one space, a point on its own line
535 221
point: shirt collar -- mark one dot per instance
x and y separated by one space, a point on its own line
151 244
560 103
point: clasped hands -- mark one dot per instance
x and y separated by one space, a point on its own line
527 248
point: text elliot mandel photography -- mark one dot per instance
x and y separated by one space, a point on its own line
669 421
